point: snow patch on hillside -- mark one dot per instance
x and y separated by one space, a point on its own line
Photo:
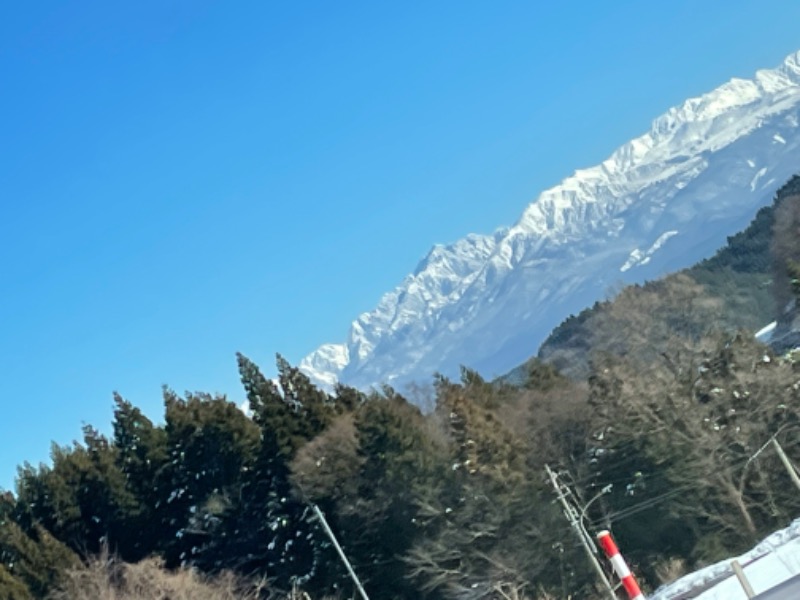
639 258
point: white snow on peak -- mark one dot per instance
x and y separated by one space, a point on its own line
759 174
488 301
323 365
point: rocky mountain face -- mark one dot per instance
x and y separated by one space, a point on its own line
659 203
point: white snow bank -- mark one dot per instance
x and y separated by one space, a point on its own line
771 562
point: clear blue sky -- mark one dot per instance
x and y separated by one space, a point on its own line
181 180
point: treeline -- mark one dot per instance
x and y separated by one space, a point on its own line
447 504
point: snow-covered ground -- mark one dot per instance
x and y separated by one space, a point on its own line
773 561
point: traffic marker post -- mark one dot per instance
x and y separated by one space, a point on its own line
611 551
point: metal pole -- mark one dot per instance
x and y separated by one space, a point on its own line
336 545
570 513
606 489
786 463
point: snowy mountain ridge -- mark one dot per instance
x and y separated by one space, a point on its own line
660 202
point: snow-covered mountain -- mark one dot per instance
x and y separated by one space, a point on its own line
660 203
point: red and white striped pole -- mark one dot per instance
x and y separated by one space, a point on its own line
620 566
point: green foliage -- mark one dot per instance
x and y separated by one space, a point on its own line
83 499
264 527
369 471
541 376
439 505
31 562
141 455
288 417
210 443
747 251
11 588
568 330
313 409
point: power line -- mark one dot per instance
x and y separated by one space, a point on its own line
654 501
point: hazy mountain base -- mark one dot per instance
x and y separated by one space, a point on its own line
450 504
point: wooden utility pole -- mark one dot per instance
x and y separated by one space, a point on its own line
739 572
572 515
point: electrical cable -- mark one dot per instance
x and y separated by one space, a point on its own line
650 502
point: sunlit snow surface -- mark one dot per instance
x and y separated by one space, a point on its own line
771 562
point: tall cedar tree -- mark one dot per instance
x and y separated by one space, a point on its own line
211 447
268 530
141 455
400 463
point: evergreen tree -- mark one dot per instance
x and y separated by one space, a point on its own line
211 447
401 462
11 586
313 408
83 499
348 399
281 430
268 530
141 455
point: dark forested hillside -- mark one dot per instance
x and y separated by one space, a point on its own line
657 440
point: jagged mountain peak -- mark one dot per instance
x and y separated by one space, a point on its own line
662 200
